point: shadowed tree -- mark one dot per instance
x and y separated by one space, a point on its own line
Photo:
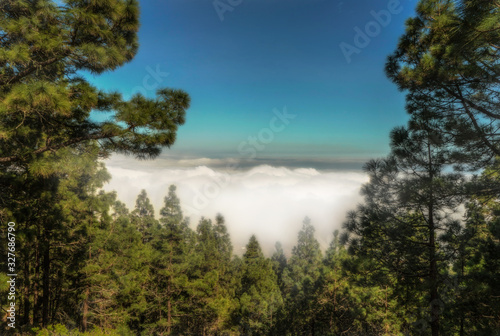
279 263
477 267
409 202
48 137
115 272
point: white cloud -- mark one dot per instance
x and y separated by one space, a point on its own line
268 201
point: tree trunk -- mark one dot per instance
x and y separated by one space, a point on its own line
86 300
169 313
85 309
434 298
169 303
433 272
36 282
26 306
55 303
46 283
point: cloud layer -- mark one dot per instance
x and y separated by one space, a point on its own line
268 201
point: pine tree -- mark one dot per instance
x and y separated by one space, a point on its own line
447 62
300 281
130 269
211 275
55 213
260 298
167 268
50 147
336 307
45 105
409 201
477 267
279 263
114 273
143 216
224 301
223 242
356 297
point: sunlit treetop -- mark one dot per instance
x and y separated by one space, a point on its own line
448 61
45 104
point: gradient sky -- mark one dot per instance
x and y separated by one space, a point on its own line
266 55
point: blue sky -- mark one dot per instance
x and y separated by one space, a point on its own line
266 55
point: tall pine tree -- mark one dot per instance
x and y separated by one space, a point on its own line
259 296
300 280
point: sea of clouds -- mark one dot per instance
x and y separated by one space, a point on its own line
265 200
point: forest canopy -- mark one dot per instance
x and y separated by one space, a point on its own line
419 256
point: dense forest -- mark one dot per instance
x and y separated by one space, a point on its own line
419 256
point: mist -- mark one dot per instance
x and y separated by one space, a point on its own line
270 202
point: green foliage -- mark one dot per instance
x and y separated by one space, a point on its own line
300 279
410 260
476 270
279 263
49 151
410 200
45 105
168 240
61 330
143 216
259 296
447 62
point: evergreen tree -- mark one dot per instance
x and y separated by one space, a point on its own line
477 268
447 61
130 269
279 263
55 209
114 273
49 145
409 202
143 216
211 273
168 266
300 282
223 241
45 105
260 298
355 299
336 308
224 301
